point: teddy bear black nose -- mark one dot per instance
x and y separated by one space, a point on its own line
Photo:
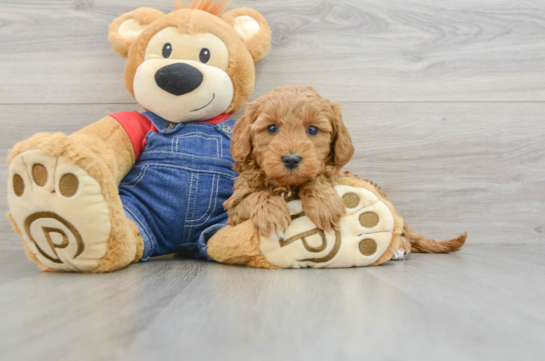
291 161
179 78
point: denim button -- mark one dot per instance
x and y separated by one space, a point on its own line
226 128
170 126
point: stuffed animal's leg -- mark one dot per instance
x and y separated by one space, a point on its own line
63 200
368 235
238 245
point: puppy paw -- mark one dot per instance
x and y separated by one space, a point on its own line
403 250
325 215
272 217
399 255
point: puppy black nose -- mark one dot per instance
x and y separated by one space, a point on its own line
291 161
179 78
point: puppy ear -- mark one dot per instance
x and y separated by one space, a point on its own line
241 143
125 29
252 29
342 148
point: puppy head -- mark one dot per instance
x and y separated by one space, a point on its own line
292 134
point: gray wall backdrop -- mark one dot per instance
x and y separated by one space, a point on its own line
444 100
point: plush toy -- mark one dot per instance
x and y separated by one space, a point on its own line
368 235
132 186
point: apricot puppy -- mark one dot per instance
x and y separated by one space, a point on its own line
290 143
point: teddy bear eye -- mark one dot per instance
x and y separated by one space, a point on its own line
167 50
204 56
312 130
272 129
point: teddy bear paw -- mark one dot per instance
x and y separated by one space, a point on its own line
60 211
365 234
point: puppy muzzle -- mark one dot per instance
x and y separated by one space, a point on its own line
291 161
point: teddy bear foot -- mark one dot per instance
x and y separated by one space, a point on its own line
58 206
369 235
369 229
63 216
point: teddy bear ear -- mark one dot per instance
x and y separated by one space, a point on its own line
252 29
125 29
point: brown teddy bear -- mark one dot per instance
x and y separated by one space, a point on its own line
132 185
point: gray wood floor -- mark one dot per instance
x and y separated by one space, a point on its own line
446 103
479 304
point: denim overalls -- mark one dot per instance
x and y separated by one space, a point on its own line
175 191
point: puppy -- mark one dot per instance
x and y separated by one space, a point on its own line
290 142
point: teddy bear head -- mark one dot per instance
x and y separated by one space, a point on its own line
194 63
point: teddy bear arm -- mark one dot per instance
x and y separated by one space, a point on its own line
110 133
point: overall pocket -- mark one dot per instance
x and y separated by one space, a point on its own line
199 145
137 173
203 203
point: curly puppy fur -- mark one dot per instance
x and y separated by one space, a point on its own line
265 182
265 177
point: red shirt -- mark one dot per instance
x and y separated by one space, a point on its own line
138 125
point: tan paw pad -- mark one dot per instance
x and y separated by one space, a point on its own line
365 234
60 209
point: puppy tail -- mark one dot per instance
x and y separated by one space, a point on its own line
421 244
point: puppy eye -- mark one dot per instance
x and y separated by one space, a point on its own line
167 50
204 56
272 129
312 130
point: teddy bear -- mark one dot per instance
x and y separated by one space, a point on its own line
136 185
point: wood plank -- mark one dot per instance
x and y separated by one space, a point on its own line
90 316
447 167
493 50
472 305
451 167
14 265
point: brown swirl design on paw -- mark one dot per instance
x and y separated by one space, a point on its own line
47 234
302 236
328 257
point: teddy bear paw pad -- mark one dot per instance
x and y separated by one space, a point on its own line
364 235
60 210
